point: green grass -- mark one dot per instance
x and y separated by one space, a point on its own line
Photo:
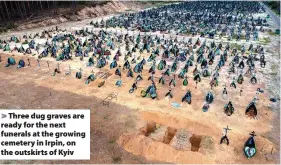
276 12
235 45
272 33
274 69
156 3
111 141
242 37
266 40
161 4
127 10
7 27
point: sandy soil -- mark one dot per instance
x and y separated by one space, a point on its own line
36 89
131 140
41 90
112 7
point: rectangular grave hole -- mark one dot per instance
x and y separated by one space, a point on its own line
195 141
169 135
149 128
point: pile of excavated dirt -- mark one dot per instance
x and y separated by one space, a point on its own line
106 9
182 143
85 13
181 140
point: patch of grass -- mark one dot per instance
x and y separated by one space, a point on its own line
276 12
3 30
266 40
156 3
235 45
234 36
273 33
111 141
9 162
106 117
274 69
273 73
116 159
129 10
160 4
7 27
11 25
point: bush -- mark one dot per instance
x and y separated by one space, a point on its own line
11 25
7 27
3 30
274 5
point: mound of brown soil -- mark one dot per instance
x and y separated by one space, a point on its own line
84 13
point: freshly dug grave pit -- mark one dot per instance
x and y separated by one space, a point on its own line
169 135
195 141
179 139
148 128
174 144
159 134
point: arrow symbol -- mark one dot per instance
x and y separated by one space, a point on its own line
4 116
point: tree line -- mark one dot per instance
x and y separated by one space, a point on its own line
23 10
274 5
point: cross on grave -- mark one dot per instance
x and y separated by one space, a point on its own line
226 129
28 62
224 137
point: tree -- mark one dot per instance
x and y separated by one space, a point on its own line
7 11
23 4
19 8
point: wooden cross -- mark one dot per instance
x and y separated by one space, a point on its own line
28 61
226 129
